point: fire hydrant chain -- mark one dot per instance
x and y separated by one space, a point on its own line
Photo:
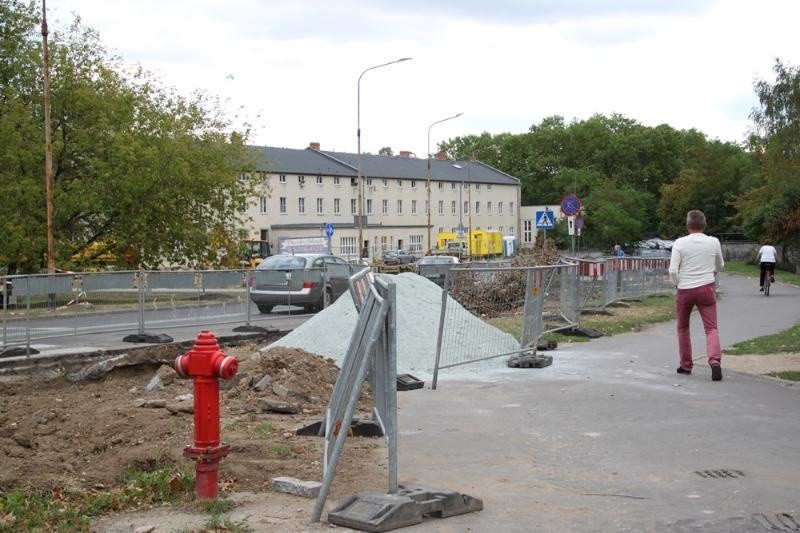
205 363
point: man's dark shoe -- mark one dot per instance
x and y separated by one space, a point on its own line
761 289
682 370
716 373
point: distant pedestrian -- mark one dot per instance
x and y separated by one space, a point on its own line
695 260
767 257
618 251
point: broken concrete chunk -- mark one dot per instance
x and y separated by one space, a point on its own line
298 487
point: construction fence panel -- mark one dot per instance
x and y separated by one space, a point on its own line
185 298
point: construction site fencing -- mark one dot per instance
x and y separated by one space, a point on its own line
526 303
372 353
606 281
48 306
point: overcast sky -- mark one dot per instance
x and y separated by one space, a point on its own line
292 67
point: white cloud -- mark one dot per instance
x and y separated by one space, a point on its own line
293 66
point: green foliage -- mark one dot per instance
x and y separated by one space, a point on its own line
772 208
138 168
785 341
789 375
59 511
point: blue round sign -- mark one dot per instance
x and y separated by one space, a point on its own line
329 230
570 205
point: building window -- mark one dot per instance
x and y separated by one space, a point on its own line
385 207
282 178
348 246
385 182
413 207
441 207
488 208
354 182
415 243
510 208
336 206
466 207
301 205
441 185
336 180
413 184
500 229
319 206
527 231
477 186
477 208
427 207
282 202
369 181
465 185
319 180
262 205
488 186
353 207
499 208
453 186
453 207
369 206
399 183
399 207
511 230
301 180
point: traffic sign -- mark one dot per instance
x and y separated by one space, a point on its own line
544 220
570 205
329 230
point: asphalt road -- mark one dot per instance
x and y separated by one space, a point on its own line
609 438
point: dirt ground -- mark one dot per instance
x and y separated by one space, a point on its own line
58 435
62 435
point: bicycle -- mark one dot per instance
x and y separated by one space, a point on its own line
768 278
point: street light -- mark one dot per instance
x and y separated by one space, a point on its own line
358 135
428 181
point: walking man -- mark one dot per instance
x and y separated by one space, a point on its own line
696 258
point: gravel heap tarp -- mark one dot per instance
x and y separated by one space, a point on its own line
419 303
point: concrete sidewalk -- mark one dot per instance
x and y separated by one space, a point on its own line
610 438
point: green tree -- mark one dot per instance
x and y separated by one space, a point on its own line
137 167
772 208
615 215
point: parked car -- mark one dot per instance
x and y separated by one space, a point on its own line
435 267
311 281
398 257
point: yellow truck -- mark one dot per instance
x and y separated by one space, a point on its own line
478 243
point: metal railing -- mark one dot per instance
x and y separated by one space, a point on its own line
529 302
38 307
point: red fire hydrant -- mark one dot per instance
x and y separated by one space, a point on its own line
206 363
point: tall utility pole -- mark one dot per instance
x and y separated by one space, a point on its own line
428 181
360 182
48 152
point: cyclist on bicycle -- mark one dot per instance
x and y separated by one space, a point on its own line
767 257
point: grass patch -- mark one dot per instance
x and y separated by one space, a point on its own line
263 429
60 511
749 269
784 341
790 375
650 310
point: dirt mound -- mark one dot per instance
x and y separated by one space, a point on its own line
57 434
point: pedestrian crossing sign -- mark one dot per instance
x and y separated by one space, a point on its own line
544 220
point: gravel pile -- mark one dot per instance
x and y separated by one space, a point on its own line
419 303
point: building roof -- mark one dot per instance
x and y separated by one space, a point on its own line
317 162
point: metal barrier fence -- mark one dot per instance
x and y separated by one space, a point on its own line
48 306
372 352
529 302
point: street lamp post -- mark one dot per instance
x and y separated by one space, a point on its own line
428 181
360 181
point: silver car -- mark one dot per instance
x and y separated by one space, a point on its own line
311 281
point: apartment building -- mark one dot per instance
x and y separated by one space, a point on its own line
311 189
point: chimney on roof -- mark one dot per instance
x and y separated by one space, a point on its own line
405 153
314 146
440 156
